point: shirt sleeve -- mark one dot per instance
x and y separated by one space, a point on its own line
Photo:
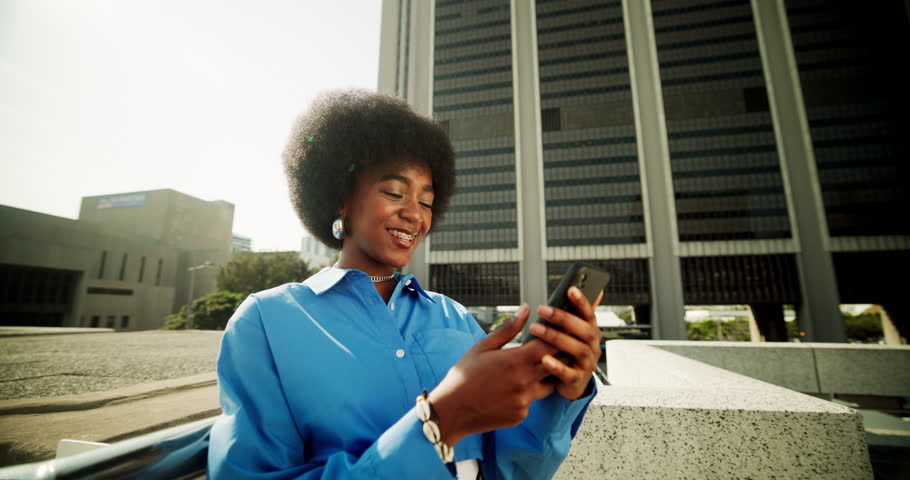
537 446
257 437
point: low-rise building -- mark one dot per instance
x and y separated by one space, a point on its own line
122 264
314 253
239 243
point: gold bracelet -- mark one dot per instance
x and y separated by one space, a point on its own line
428 417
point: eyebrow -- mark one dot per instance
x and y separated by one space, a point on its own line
404 180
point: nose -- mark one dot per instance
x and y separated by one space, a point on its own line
411 211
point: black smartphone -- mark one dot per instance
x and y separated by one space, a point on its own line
590 281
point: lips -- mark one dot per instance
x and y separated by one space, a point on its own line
403 235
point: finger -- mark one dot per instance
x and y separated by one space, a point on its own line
585 331
542 388
536 350
582 306
577 349
558 369
504 334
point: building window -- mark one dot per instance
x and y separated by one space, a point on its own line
110 321
158 274
756 99
122 268
103 261
549 120
141 269
96 320
108 291
478 284
125 321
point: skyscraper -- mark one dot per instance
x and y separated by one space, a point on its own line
702 151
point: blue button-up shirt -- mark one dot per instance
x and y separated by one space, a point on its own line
318 380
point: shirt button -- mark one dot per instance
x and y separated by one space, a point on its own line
392 306
399 353
407 283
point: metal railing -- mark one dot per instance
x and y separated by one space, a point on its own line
175 453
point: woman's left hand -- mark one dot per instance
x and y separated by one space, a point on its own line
578 337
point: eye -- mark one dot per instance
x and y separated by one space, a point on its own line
393 195
426 205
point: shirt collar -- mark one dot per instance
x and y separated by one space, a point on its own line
325 279
408 282
328 277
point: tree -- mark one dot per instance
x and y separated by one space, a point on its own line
250 272
210 312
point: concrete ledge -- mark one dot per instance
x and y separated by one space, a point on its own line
665 433
788 365
863 369
823 368
30 331
86 401
668 416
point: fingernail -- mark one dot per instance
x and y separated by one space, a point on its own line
538 329
575 292
523 309
545 311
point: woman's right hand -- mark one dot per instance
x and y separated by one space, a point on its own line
491 387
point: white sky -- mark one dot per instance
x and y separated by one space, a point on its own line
112 96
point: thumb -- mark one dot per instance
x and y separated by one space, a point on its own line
504 334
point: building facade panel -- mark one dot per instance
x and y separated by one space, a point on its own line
472 98
855 104
723 156
734 219
591 174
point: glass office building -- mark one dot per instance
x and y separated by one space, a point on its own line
702 151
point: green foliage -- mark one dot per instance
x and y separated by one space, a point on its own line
210 312
250 272
864 328
792 330
175 321
502 318
626 316
736 330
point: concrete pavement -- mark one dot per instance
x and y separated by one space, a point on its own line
51 365
160 378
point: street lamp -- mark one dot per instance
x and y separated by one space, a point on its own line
189 307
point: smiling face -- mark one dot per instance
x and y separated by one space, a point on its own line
386 217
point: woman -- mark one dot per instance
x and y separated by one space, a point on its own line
318 379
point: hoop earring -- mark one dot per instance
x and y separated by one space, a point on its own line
338 228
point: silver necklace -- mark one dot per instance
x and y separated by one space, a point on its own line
375 278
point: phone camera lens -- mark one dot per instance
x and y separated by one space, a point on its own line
583 276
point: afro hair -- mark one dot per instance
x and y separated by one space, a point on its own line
348 132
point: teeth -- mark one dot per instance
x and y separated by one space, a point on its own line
402 235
